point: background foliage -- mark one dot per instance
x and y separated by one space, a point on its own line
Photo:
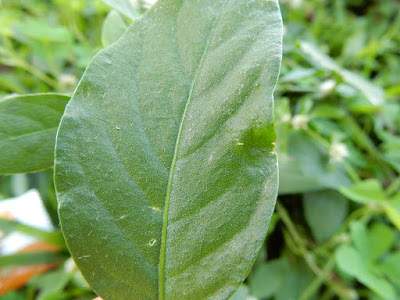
335 233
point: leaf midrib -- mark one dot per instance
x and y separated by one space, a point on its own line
161 275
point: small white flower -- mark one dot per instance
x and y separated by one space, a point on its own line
286 118
296 3
300 122
67 80
284 30
326 87
338 152
148 3
69 265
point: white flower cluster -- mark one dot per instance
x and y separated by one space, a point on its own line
67 80
300 122
327 87
143 3
338 152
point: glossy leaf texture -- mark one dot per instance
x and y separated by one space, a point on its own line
166 173
28 126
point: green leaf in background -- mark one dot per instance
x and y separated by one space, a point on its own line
365 191
305 167
125 7
241 294
392 210
28 126
370 192
359 236
380 240
13 296
50 285
54 238
113 28
360 259
165 170
391 266
297 278
325 212
351 262
41 31
29 258
268 278
372 92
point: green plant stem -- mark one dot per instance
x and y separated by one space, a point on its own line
351 172
19 63
324 275
364 142
394 187
291 227
335 239
310 291
35 72
318 138
298 246
327 295
75 29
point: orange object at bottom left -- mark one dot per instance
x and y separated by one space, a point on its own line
15 278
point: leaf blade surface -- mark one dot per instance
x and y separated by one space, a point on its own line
164 156
28 125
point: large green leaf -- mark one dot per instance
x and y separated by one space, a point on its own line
28 126
165 170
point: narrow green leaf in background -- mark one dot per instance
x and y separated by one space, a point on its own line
28 126
41 31
166 173
392 210
371 192
372 92
54 237
125 7
367 191
113 28
29 258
